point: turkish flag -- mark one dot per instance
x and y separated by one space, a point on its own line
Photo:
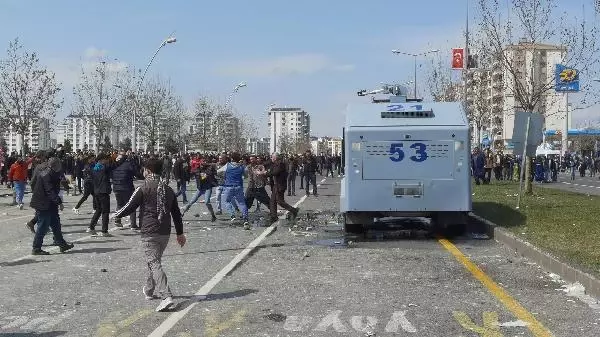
458 55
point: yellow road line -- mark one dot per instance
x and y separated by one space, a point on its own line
510 303
214 327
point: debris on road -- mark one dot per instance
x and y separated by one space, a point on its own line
276 317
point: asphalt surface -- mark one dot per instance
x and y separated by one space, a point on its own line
584 185
304 279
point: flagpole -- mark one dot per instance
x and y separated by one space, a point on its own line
466 57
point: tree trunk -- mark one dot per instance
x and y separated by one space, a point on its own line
528 182
21 144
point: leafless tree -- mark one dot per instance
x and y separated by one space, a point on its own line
478 103
585 144
224 126
172 124
28 91
203 113
155 104
533 23
286 143
100 98
439 79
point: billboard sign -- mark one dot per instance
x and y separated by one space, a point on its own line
566 78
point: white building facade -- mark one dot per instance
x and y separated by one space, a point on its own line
288 126
81 133
36 138
258 146
534 64
326 145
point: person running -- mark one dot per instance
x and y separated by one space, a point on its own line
88 185
205 181
158 206
46 203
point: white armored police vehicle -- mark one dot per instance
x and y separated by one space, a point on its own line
405 158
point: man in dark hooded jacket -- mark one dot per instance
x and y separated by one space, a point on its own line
102 190
46 202
158 210
124 172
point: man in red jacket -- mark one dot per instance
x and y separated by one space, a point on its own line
17 177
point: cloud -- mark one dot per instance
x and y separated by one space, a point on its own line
68 70
301 64
94 53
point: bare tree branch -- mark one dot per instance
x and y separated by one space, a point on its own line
99 98
28 91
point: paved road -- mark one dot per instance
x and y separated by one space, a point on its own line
585 185
303 279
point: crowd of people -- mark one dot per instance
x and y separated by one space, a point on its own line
238 181
543 168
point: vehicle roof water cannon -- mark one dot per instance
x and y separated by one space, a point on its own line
398 94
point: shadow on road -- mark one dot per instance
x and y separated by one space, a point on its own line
274 245
499 214
96 241
211 297
96 250
21 262
33 334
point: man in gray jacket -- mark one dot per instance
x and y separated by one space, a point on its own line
158 205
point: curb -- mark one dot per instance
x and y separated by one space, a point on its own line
545 260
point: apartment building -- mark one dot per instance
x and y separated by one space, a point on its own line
82 133
534 65
289 129
484 104
326 145
258 145
491 89
36 138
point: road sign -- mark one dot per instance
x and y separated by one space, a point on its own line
566 78
520 132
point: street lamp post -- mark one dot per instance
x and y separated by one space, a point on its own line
168 40
395 51
235 90
228 107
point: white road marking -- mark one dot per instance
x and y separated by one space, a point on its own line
363 324
399 320
14 322
332 320
175 317
19 217
573 184
297 323
40 323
